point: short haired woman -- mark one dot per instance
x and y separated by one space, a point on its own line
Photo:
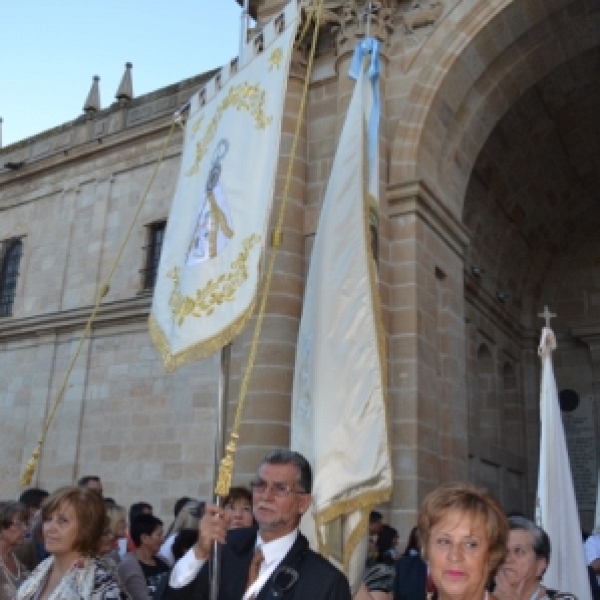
13 522
463 532
238 505
527 558
73 522
140 570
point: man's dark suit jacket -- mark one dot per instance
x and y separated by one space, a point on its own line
317 579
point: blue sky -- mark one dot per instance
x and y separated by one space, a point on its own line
51 49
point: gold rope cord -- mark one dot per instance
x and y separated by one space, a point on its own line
227 463
104 289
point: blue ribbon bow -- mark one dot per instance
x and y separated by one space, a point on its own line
363 48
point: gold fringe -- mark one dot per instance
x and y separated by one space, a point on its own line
364 504
173 362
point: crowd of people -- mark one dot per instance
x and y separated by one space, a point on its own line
75 544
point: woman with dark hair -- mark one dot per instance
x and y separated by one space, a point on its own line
387 540
13 522
379 576
238 505
73 522
411 581
140 571
413 546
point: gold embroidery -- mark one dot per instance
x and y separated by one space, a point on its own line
247 97
196 126
275 59
215 292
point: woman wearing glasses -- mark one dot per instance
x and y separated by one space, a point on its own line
13 517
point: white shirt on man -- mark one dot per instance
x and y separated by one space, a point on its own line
188 566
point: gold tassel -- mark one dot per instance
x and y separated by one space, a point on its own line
226 468
31 465
276 238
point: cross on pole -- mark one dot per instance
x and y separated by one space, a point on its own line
368 12
547 315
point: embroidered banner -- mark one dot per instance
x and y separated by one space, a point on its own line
209 268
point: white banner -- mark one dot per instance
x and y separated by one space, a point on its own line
209 268
339 416
556 508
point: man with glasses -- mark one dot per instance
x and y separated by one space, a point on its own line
271 562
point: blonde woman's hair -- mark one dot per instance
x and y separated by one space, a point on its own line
115 513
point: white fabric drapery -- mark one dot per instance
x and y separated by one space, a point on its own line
556 507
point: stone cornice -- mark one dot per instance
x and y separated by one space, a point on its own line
415 197
87 151
120 312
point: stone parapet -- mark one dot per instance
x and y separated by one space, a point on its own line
94 128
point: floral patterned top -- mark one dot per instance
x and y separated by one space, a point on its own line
88 579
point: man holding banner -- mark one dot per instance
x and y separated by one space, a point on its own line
271 561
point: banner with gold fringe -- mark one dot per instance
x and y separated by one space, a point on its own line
209 268
339 408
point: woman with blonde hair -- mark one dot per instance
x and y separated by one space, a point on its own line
117 524
463 533
188 518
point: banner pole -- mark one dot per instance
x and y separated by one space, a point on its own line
215 563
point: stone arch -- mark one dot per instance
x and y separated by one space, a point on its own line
487 54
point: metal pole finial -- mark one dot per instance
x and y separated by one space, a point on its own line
369 11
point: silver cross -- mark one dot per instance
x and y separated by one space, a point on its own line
547 315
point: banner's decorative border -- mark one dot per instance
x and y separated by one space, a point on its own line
245 96
215 292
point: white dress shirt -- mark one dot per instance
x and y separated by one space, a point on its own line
188 566
592 550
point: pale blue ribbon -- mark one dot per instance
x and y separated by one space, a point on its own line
364 47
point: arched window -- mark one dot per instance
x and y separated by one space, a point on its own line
10 253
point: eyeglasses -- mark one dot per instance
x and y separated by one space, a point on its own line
19 524
277 488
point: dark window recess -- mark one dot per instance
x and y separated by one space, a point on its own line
10 258
156 234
